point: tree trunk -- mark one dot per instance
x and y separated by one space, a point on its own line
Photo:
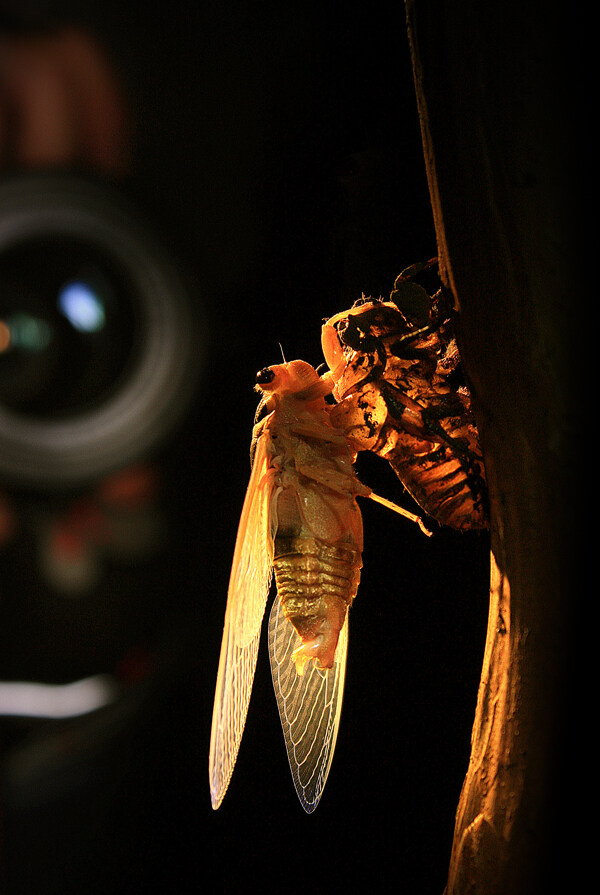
493 84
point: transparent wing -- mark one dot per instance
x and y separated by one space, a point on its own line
248 590
309 707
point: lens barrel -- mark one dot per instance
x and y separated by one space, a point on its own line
100 347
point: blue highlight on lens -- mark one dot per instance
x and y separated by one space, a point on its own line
82 307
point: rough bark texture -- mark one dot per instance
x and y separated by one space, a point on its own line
493 85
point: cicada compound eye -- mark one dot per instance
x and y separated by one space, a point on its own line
265 376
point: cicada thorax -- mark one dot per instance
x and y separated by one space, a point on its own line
398 383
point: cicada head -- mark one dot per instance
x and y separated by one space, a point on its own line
292 378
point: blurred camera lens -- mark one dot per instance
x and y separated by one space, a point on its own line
68 327
99 347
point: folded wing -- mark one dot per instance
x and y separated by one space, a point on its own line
249 585
309 705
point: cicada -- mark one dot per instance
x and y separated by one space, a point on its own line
300 518
401 394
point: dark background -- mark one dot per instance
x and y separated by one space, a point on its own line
277 155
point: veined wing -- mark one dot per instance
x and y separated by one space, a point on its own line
309 707
248 590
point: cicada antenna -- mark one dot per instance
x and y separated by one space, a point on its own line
282 354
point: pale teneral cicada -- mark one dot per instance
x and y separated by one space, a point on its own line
300 518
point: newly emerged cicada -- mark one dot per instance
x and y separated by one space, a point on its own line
398 382
300 517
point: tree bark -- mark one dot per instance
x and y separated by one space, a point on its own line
494 94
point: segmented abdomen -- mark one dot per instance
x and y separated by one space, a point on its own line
450 489
316 583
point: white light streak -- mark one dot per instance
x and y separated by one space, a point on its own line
35 700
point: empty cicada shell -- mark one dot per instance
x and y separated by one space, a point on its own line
401 394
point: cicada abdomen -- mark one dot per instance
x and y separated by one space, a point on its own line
316 584
398 381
